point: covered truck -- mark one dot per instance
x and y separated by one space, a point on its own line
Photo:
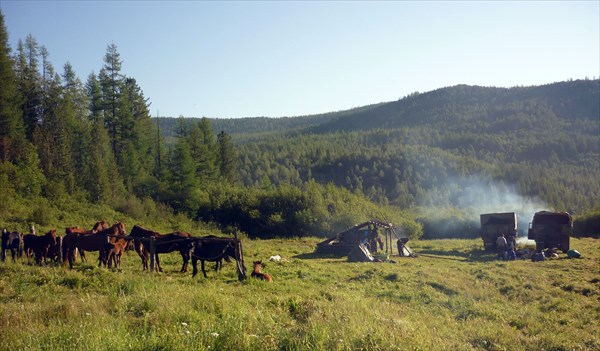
551 230
495 224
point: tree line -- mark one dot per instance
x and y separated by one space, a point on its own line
65 142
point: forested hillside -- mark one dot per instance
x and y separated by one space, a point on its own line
72 153
69 149
431 149
467 148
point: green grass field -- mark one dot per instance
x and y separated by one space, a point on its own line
452 297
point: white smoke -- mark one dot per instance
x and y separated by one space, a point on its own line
474 196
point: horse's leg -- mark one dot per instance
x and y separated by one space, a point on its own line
70 254
186 258
101 257
110 258
141 251
159 268
203 270
194 266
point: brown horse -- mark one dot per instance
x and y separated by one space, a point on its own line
72 232
12 242
256 273
91 242
114 251
163 243
42 246
214 249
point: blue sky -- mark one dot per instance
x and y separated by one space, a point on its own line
284 58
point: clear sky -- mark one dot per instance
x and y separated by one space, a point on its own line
285 58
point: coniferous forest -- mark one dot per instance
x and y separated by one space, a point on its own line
430 162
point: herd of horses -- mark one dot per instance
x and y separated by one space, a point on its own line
112 241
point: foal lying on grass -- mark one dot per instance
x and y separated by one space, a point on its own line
256 273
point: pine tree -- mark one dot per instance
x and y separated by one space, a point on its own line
30 84
182 170
77 124
227 157
102 179
111 81
12 133
202 147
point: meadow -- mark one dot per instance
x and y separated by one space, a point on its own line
453 296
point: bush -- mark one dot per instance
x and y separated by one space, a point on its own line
42 214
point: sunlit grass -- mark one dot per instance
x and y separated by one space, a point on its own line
452 297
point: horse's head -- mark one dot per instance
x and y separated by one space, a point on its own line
121 228
257 266
99 226
138 231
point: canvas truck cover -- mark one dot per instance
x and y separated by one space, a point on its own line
551 230
495 224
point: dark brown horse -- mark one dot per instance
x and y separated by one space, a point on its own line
214 249
163 243
256 273
91 242
12 241
72 232
42 247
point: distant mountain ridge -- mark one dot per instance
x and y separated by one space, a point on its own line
578 99
575 99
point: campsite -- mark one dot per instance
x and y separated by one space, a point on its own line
299 175
453 296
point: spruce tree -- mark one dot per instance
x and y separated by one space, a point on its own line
12 133
227 157
30 84
111 81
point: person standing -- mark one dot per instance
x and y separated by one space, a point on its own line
501 246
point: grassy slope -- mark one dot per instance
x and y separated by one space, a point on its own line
452 297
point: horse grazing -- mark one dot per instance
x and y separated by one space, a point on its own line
12 241
42 247
215 249
91 242
163 243
256 273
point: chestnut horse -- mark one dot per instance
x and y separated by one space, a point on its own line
164 243
114 251
13 242
92 242
214 249
256 273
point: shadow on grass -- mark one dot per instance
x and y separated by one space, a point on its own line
316 255
470 256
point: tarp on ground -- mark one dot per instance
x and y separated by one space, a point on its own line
360 254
